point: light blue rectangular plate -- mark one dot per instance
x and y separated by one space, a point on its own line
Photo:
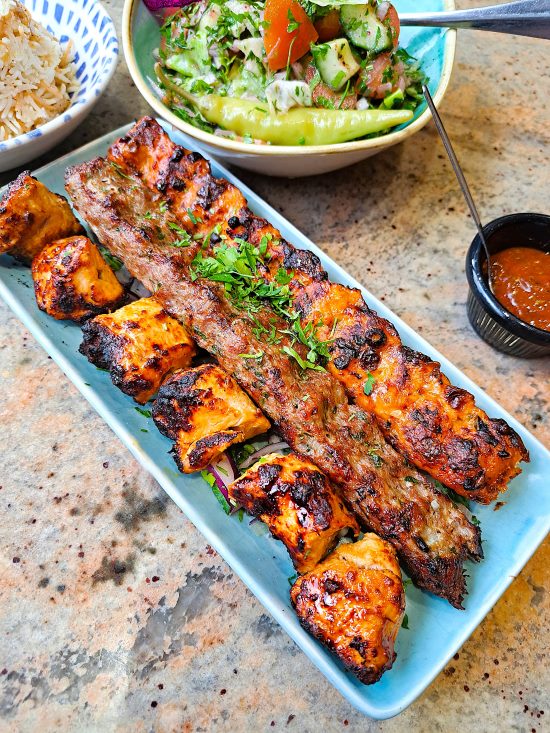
436 630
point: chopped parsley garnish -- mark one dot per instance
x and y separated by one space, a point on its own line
257 356
293 24
238 268
194 219
453 496
376 459
163 207
283 276
119 170
369 384
145 413
185 238
292 579
303 363
114 263
405 622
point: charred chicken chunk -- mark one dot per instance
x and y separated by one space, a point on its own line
139 345
73 281
297 503
354 603
205 411
31 216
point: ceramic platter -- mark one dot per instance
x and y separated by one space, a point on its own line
436 630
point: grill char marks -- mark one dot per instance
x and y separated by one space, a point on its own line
341 439
437 426
297 503
461 447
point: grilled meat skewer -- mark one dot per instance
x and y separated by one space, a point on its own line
434 424
311 411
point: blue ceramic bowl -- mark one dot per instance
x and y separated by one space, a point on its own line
90 28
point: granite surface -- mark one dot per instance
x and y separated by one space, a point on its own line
114 613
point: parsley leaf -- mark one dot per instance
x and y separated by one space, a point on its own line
294 24
145 413
119 170
185 238
303 363
194 219
369 384
257 356
114 263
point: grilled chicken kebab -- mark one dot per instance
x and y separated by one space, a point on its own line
32 216
297 503
72 281
204 411
354 603
435 425
309 408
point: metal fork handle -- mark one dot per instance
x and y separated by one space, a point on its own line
524 17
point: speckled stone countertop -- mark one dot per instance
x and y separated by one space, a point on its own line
115 615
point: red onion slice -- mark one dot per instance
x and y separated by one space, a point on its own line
153 5
266 450
382 10
224 472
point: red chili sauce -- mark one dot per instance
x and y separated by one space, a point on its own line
521 283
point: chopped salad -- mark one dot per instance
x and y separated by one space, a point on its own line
257 71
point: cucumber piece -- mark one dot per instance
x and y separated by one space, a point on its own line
363 27
247 80
194 61
335 62
183 63
210 17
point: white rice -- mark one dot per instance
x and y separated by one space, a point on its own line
36 73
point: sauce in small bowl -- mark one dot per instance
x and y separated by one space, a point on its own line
521 283
515 318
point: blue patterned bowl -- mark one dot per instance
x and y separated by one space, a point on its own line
88 25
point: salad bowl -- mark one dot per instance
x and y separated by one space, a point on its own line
434 48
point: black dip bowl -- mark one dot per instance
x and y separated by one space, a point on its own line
497 326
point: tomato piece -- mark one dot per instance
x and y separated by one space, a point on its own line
392 22
288 34
328 27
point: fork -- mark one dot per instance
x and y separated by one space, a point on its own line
524 17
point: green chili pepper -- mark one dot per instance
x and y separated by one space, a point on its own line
299 126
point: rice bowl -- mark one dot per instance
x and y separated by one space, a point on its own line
85 30
37 75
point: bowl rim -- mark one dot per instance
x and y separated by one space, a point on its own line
75 109
232 146
480 289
